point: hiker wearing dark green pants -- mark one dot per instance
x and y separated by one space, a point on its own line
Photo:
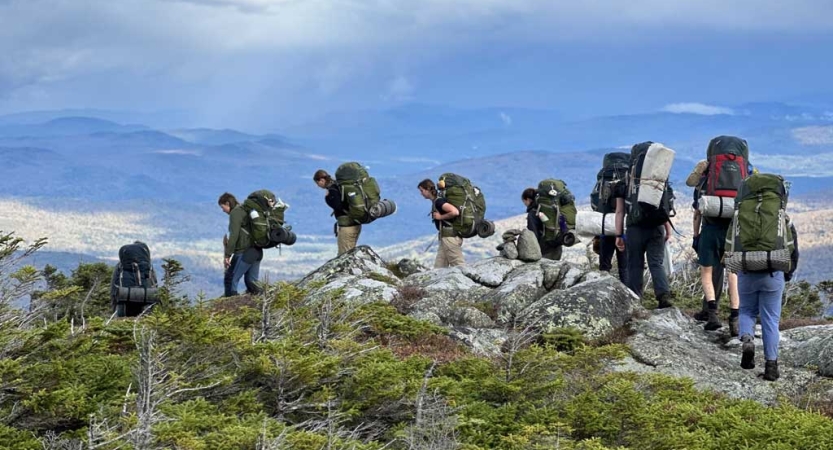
347 232
241 259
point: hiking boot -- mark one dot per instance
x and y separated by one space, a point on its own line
747 358
664 301
734 327
714 322
702 315
771 370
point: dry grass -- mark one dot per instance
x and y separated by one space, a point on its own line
406 298
786 324
437 347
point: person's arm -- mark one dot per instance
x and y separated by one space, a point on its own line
695 223
235 227
667 231
793 256
333 200
449 212
620 223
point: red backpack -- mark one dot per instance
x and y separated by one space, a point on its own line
728 165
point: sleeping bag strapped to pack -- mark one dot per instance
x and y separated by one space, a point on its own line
469 200
360 195
557 211
650 199
133 285
266 224
615 167
760 237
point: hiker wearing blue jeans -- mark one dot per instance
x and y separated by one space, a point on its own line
240 268
242 259
761 293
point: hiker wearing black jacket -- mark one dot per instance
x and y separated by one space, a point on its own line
347 235
534 224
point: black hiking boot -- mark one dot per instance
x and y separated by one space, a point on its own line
664 300
734 327
702 315
714 322
747 358
771 370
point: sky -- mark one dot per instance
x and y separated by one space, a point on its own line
262 65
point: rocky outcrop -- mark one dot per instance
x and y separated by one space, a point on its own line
597 307
669 342
528 248
409 266
808 347
358 275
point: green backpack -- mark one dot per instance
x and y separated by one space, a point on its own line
760 238
468 199
555 201
264 220
359 192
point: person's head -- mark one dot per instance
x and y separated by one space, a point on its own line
528 196
227 202
322 179
427 189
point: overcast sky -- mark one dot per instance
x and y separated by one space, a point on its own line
261 64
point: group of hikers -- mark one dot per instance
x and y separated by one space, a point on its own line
740 224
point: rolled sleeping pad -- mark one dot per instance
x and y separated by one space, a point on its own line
485 228
382 208
655 171
759 261
283 236
137 294
591 223
713 206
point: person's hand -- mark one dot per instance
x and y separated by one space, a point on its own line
620 243
437 216
227 262
695 243
788 276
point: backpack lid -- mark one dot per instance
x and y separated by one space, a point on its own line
262 198
722 145
350 172
449 180
616 159
137 252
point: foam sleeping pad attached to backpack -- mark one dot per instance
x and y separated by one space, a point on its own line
650 199
592 223
760 237
722 207
469 201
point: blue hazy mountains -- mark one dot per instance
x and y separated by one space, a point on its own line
114 165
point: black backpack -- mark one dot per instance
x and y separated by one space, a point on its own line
133 285
640 213
615 167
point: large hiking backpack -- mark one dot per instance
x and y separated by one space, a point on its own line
557 211
728 158
133 285
360 195
760 238
266 224
650 197
615 167
471 203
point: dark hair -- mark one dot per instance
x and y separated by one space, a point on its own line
428 185
322 174
529 194
228 198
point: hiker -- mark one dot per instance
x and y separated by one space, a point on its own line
764 259
241 258
450 251
649 226
346 231
716 181
549 250
612 176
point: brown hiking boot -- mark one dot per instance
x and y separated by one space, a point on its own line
734 326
